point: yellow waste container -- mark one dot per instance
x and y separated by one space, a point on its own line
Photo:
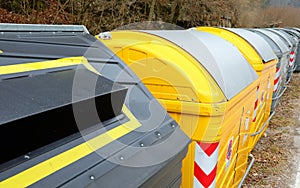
260 55
205 84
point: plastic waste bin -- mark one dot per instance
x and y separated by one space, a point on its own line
292 44
260 55
65 125
282 52
205 84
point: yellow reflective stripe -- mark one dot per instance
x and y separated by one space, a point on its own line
91 68
1 51
63 62
45 168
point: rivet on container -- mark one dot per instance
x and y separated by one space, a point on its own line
158 134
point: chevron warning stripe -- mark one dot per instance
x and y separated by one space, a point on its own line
277 79
205 164
292 59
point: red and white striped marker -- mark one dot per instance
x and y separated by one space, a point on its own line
205 164
292 59
276 79
255 105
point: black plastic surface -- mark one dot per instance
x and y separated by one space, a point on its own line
37 47
36 111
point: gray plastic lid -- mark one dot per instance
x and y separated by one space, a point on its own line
297 29
282 46
284 38
293 31
292 37
257 42
220 58
272 44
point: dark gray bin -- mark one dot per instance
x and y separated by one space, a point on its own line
145 156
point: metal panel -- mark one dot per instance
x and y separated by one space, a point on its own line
219 57
284 38
297 29
271 43
292 37
293 32
257 42
7 27
283 47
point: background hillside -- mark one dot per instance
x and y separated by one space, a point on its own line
285 2
102 15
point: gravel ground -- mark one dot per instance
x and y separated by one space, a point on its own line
277 152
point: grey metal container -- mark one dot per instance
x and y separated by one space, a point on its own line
296 33
257 42
292 44
282 52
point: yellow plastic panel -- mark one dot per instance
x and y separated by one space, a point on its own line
165 67
191 97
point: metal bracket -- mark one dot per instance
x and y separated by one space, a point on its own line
264 125
288 81
247 171
296 66
279 96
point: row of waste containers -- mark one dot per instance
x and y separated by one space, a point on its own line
220 84
139 108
